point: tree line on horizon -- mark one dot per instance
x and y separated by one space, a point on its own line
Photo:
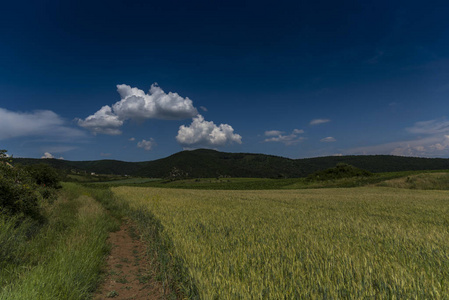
203 163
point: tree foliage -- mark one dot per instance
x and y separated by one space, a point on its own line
44 175
341 170
22 191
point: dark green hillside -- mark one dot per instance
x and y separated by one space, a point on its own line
109 166
98 166
375 163
211 163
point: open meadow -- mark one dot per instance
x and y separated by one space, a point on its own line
368 242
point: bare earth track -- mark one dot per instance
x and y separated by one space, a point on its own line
129 273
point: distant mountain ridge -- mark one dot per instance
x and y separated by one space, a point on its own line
210 163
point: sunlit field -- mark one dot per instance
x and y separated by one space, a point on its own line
326 243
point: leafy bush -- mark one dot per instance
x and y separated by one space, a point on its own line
17 192
44 175
342 170
22 189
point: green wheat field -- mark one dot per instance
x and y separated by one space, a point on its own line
369 242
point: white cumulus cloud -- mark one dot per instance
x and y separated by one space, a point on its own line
37 123
202 133
49 155
103 121
319 121
156 104
136 104
147 145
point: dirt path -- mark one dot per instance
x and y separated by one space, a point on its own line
129 274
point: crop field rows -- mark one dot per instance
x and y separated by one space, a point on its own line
320 243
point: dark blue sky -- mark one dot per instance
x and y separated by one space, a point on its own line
290 78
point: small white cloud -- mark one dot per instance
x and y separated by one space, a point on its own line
203 108
328 139
132 139
288 140
147 145
201 133
43 123
103 121
49 155
298 131
319 121
273 133
136 104
278 136
105 154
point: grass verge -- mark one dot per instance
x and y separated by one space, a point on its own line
61 259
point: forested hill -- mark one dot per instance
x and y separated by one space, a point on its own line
211 163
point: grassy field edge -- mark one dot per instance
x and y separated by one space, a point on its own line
171 269
64 259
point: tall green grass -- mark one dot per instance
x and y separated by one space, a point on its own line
301 244
61 259
428 181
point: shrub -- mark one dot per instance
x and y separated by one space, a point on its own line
44 175
341 170
22 188
18 192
